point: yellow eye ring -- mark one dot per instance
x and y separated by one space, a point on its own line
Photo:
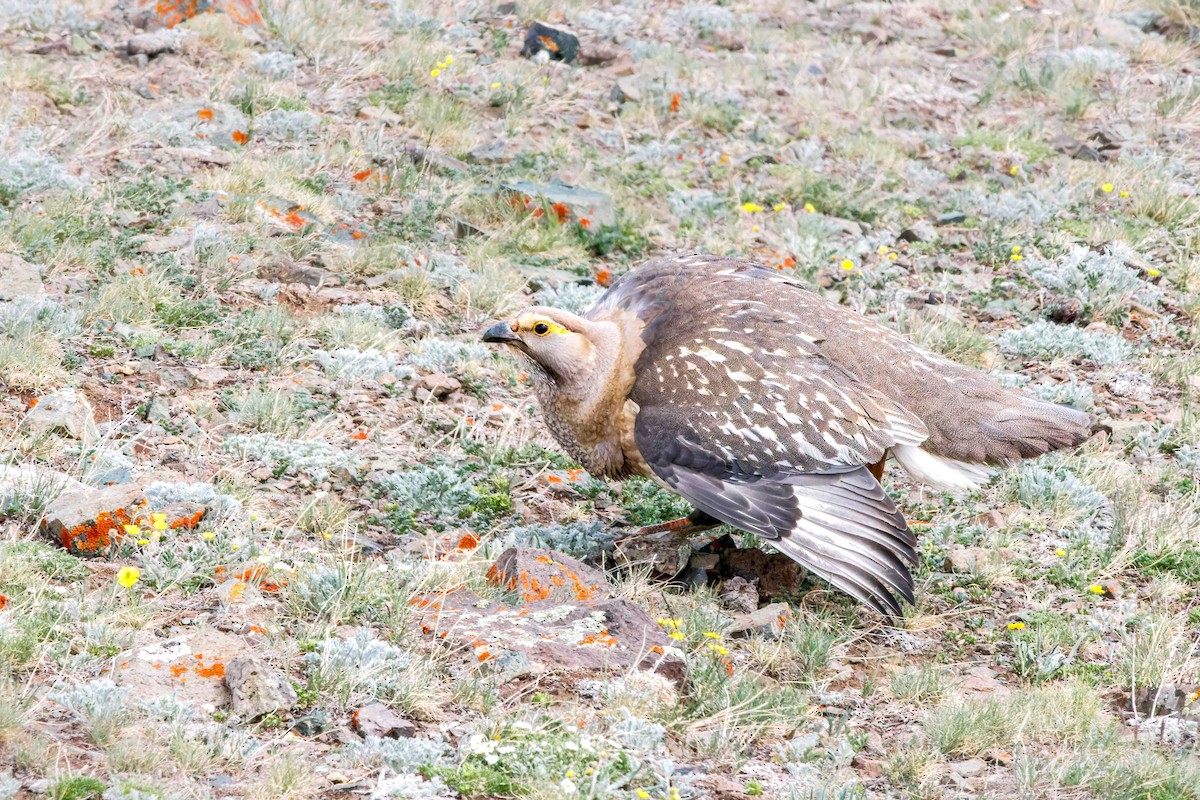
541 329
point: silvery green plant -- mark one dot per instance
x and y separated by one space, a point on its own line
635 734
1046 341
573 297
437 492
349 364
356 668
283 125
275 64
404 756
1073 393
25 170
161 494
26 316
101 704
578 539
316 459
410 786
440 354
1057 490
1101 281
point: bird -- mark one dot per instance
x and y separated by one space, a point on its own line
772 409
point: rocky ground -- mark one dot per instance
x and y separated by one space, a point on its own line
276 523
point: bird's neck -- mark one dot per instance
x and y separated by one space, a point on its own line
584 412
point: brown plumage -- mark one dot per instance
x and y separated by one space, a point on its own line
764 405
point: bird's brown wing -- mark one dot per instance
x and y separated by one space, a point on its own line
779 450
837 522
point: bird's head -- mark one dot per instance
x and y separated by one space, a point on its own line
559 343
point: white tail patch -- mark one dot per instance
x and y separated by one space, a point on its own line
946 474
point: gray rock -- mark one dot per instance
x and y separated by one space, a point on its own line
1144 19
312 724
562 622
583 204
922 231
156 245
152 44
88 522
775 574
969 768
190 666
158 410
951 218
666 552
538 574
623 91
107 467
66 411
545 43
257 688
436 386
971 560
376 719
19 279
1117 31
739 594
768 621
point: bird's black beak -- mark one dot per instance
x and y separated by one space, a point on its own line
501 333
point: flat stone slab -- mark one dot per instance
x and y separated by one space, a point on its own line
190 667
564 622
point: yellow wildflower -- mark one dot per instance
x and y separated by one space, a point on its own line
1124 193
1016 626
449 60
1153 273
754 228
1014 169
667 622
441 65
128 576
643 794
779 207
1060 552
847 265
496 85
208 536
131 530
1106 188
711 635
751 208
810 208
893 256
1096 588
718 649
143 542
159 525
1016 248
1016 257
676 635
570 773
435 72
884 249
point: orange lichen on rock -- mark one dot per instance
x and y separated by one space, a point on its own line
189 522
177 670
173 12
214 670
92 538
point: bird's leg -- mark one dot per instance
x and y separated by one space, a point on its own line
696 522
876 469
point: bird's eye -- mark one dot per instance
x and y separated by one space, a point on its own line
541 329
